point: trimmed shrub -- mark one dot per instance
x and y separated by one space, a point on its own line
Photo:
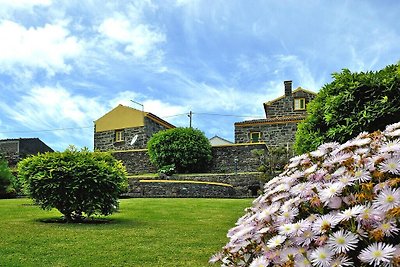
8 183
352 103
185 148
77 183
336 206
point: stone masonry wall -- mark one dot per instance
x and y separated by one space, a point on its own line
136 161
271 134
223 159
285 106
240 185
105 141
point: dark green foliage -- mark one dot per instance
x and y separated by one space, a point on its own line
186 148
352 103
74 182
272 162
8 183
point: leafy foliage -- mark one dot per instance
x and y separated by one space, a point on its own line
8 183
272 162
352 103
74 182
186 148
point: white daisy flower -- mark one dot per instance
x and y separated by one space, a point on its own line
350 213
387 199
321 257
388 227
390 146
306 237
377 254
324 223
342 241
331 190
276 241
362 175
391 165
259 262
392 127
286 229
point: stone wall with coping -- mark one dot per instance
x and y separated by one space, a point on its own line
240 185
223 159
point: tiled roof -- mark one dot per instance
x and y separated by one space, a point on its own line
274 120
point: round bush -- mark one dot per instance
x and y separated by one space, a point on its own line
8 183
336 206
77 183
352 103
187 149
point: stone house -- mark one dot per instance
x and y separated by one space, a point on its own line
16 149
282 116
125 128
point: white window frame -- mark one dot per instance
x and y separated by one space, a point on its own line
297 104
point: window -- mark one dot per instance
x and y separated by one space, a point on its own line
119 136
299 103
255 137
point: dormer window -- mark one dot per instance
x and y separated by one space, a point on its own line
299 104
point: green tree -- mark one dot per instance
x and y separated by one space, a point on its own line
352 103
187 149
77 183
8 183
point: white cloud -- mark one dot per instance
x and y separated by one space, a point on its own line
137 38
24 4
50 108
47 47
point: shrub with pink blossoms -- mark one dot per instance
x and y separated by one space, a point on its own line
336 206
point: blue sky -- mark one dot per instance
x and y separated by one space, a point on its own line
63 64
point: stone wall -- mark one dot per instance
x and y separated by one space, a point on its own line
136 161
272 134
285 106
223 159
222 185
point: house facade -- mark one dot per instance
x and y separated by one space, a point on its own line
282 116
125 128
16 149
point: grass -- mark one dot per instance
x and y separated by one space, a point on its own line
146 232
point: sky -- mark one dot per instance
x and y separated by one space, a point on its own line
64 64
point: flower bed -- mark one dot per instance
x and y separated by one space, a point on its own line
336 206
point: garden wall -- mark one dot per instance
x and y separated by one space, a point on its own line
206 185
225 159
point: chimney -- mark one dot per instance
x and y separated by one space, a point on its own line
288 88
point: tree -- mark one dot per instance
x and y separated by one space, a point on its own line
8 183
187 149
352 103
77 183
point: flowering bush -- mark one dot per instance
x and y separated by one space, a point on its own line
336 206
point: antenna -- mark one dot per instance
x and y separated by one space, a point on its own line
134 139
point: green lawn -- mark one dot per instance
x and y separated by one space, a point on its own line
146 232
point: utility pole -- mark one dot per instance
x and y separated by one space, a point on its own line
190 118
